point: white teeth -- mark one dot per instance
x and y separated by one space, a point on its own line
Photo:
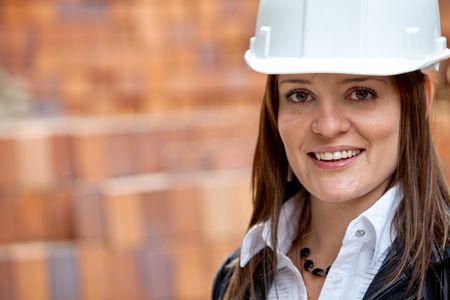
336 155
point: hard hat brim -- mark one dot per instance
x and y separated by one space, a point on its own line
362 66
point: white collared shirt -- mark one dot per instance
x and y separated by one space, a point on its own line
364 247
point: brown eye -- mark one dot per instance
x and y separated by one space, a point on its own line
362 94
299 96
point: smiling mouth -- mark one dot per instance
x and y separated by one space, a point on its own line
335 156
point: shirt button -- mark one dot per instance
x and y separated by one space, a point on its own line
360 233
336 279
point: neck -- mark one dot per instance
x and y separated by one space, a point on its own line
329 222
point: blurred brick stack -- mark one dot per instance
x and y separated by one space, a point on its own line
126 138
128 207
441 115
115 57
125 143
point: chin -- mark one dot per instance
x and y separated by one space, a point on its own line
334 198
337 193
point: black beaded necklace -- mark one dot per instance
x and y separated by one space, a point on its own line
308 264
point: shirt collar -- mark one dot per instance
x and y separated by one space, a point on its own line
379 216
258 237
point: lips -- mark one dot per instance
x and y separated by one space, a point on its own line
335 155
335 158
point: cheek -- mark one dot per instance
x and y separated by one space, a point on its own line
391 138
383 121
383 133
291 131
386 143
382 130
283 129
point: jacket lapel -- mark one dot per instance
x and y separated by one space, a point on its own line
380 289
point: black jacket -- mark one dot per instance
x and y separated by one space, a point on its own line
437 283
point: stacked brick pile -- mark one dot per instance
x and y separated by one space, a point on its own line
127 135
115 57
126 138
138 208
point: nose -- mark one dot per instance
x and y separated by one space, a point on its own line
329 121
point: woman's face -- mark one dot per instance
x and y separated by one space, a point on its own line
340 133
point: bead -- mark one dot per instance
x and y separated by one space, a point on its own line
308 265
304 252
318 272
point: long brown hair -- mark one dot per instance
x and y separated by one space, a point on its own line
421 221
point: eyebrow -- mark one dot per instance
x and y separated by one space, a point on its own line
361 79
341 82
295 81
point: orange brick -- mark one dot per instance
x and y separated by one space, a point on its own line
88 215
445 20
127 282
34 162
441 127
122 160
184 213
31 217
8 218
60 215
6 280
8 163
96 272
63 159
148 150
157 215
124 221
190 281
224 200
91 157
30 273
216 255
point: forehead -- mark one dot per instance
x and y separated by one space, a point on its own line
330 79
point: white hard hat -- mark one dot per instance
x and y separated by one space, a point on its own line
370 37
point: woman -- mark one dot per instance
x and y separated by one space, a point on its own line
349 200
